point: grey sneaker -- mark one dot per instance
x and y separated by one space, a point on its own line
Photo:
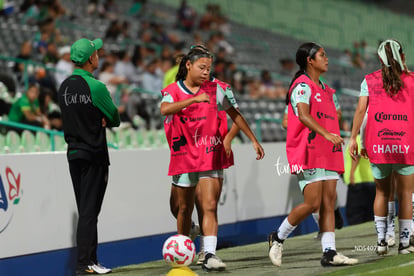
93 269
405 249
332 258
390 240
200 257
213 263
275 250
382 248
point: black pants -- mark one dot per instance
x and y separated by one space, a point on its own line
89 183
360 203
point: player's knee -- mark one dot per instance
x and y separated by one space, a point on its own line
209 205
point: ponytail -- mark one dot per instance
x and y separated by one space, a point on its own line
390 53
182 69
308 49
297 75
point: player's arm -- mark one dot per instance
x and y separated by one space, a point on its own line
310 122
234 130
338 107
241 122
358 119
300 101
285 118
169 108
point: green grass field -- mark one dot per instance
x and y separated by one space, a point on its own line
301 256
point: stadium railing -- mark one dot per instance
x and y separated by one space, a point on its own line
51 133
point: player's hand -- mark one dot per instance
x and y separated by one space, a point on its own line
364 153
227 146
202 98
259 151
353 148
335 139
103 122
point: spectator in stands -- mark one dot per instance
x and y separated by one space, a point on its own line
112 81
388 93
253 88
6 99
116 87
92 7
52 55
124 67
114 30
314 151
26 109
109 9
152 78
346 58
270 88
64 66
288 67
24 54
50 109
169 76
186 17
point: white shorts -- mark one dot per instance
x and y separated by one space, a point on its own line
191 179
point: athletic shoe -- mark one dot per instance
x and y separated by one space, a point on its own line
390 241
332 258
405 249
213 263
339 221
275 249
382 248
194 231
93 269
200 257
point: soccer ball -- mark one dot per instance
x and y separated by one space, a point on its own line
178 250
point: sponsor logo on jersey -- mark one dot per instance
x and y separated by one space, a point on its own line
325 116
381 116
391 149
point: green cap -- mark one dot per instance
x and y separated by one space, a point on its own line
83 48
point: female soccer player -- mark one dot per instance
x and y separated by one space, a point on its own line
314 152
388 93
192 126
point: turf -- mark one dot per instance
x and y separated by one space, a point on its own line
301 256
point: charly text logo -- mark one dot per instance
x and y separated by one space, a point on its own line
285 168
10 194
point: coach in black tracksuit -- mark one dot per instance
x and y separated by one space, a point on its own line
87 108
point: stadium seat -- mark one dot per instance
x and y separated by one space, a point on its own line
43 141
2 143
28 141
13 142
111 137
60 143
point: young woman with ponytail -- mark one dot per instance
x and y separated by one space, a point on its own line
192 127
314 152
388 95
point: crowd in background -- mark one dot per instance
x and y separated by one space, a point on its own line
135 68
